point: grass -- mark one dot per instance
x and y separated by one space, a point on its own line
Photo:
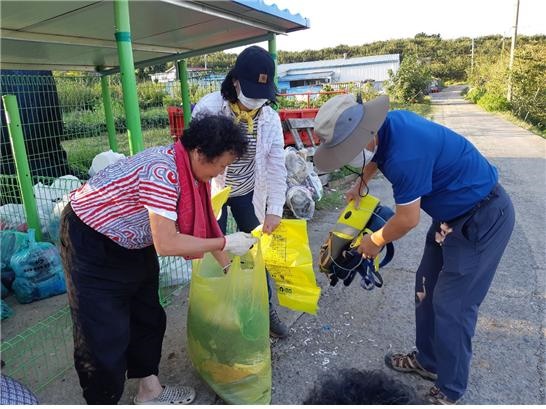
423 109
331 199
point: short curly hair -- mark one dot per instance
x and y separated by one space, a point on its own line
351 386
213 135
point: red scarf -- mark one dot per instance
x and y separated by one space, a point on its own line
195 214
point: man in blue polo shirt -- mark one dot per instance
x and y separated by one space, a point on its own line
435 169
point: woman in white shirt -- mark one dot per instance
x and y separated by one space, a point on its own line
257 179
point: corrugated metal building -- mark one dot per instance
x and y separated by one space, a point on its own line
313 74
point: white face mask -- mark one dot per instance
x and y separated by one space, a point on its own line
250 103
368 155
363 158
357 162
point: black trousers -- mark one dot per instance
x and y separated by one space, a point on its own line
118 322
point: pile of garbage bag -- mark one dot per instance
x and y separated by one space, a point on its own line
304 185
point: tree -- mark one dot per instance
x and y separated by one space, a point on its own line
410 83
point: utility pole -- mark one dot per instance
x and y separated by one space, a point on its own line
472 58
512 52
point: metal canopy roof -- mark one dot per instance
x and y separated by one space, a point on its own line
79 35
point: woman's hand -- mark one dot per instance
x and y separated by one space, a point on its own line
271 222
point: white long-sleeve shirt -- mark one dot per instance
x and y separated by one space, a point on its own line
270 179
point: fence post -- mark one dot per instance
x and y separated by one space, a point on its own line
127 72
272 45
182 67
19 151
108 115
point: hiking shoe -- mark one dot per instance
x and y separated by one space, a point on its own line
408 363
276 327
436 397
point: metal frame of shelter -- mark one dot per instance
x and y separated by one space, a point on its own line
73 35
78 35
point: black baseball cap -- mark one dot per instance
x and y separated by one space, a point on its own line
255 70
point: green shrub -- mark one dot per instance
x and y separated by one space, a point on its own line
150 94
491 102
475 94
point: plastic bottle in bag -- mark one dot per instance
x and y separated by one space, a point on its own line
38 271
300 201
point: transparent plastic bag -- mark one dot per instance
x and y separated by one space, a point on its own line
300 201
38 271
54 226
296 166
103 160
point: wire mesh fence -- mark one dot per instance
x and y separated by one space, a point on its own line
63 123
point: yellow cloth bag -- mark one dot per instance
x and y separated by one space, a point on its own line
228 328
289 261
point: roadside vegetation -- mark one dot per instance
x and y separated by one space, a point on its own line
424 59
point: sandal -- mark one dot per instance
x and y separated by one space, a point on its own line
408 363
171 395
436 397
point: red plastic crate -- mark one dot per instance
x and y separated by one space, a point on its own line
176 121
285 114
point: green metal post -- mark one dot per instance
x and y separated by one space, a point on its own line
19 151
108 115
185 91
272 44
128 79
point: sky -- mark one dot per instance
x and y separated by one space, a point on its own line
355 22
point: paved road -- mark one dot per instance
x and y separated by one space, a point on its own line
355 328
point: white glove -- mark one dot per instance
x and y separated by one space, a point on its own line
239 243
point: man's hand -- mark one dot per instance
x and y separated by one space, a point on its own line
367 248
354 194
271 222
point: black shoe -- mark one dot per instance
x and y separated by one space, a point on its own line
276 327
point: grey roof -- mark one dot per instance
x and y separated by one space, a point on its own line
79 35
306 76
285 69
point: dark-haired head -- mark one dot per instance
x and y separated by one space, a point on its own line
354 387
213 142
254 73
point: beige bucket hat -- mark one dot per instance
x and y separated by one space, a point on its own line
345 127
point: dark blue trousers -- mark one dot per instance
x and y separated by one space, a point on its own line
118 322
451 283
242 210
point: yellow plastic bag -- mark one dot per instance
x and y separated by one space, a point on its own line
218 200
289 261
228 328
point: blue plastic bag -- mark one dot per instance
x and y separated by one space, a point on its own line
5 311
38 271
5 291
